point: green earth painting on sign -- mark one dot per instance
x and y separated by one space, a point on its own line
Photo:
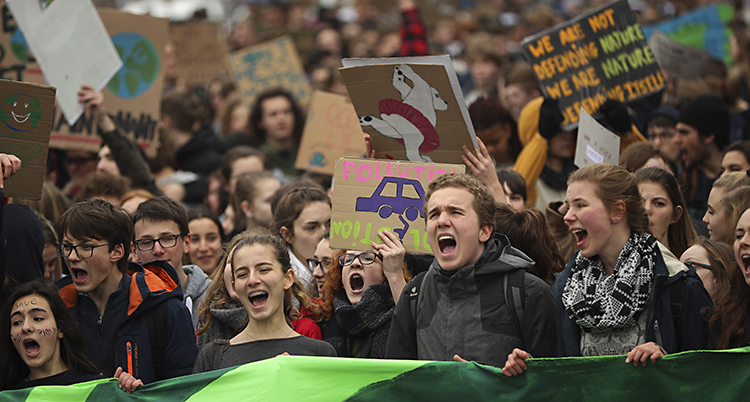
140 65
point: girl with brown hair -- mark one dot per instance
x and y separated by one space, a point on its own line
263 279
615 295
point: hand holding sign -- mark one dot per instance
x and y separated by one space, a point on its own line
93 101
392 253
10 165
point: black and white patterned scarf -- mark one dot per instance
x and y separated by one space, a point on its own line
601 303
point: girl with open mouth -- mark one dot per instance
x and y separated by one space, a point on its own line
264 281
360 293
42 345
730 323
615 296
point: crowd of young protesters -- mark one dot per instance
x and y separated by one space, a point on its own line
216 252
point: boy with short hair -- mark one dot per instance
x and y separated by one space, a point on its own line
478 301
162 234
116 303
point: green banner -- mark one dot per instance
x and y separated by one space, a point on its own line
701 376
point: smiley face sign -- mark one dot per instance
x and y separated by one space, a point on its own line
20 112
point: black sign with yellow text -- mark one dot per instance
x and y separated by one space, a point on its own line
598 55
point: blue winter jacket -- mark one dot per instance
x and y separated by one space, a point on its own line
691 331
119 337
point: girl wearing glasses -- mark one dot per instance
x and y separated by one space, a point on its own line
360 294
263 279
321 263
712 260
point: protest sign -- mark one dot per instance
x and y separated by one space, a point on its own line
409 110
274 64
132 97
597 55
331 132
703 28
200 51
595 143
443 60
71 46
680 60
370 195
26 115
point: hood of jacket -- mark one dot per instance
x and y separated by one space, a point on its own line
150 284
197 283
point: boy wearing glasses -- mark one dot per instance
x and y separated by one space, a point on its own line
478 301
162 234
116 304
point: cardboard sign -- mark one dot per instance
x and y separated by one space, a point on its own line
371 195
132 97
274 64
200 51
597 55
332 131
703 28
443 60
409 110
25 122
71 46
680 60
595 143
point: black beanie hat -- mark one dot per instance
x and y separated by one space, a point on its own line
709 115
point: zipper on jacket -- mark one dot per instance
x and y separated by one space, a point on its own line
658 333
130 358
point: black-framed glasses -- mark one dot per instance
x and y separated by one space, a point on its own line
167 241
324 265
83 251
366 258
697 265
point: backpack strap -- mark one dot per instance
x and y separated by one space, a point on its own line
157 336
416 285
513 291
220 346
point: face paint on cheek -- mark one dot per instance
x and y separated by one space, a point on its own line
16 338
47 331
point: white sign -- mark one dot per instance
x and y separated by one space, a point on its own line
70 44
595 143
681 60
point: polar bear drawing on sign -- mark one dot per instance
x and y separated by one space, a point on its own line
412 120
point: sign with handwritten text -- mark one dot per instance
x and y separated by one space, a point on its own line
370 195
595 143
332 131
702 28
132 97
274 64
25 122
598 55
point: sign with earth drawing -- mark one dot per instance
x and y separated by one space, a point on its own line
132 97
273 64
70 45
370 195
26 119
